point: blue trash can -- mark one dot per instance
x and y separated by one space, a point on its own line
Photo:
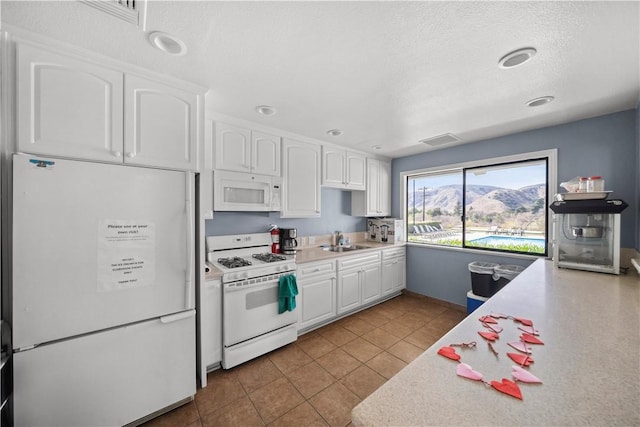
474 301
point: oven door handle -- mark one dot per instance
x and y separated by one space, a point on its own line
252 286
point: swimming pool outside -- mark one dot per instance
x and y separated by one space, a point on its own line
507 240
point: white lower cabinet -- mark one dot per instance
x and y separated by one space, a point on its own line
210 319
359 281
393 270
317 287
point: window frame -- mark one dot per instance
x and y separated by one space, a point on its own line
552 183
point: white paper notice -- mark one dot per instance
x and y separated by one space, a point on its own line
126 254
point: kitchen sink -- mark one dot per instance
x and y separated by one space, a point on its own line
345 248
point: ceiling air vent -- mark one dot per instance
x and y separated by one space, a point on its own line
439 140
131 11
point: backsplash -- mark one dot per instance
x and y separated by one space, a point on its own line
335 215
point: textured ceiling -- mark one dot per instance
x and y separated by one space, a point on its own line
386 73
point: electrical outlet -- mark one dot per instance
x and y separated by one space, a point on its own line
303 241
312 240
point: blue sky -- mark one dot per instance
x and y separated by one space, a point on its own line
512 177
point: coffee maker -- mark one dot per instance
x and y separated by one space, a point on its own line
288 242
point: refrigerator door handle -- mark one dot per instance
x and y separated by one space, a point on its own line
190 241
178 316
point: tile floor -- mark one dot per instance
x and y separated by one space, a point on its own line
317 380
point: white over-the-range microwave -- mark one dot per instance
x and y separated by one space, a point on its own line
239 191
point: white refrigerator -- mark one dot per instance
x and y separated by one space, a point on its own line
102 291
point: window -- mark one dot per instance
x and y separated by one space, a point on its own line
494 205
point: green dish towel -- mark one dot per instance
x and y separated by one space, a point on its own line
287 291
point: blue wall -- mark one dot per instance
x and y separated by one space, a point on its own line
335 215
605 145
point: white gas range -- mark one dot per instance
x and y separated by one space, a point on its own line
250 277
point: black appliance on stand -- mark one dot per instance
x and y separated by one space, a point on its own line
288 242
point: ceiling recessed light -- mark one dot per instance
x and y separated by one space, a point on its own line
540 101
517 57
334 132
266 110
377 147
167 43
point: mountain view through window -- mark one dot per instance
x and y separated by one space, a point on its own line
495 207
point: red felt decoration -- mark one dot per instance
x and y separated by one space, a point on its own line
495 328
491 336
520 359
507 387
449 352
525 322
530 339
488 319
529 330
520 346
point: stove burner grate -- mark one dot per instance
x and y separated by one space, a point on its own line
234 262
269 257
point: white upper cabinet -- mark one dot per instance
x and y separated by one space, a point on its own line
160 125
376 199
265 153
343 169
232 148
242 150
67 107
70 108
301 179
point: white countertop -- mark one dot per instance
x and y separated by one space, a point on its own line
589 363
312 254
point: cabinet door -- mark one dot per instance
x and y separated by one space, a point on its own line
356 171
373 187
333 167
318 301
210 319
370 278
400 274
348 290
232 148
384 189
67 107
301 179
265 153
393 275
388 279
161 125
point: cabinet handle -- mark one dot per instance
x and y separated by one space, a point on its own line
117 154
131 155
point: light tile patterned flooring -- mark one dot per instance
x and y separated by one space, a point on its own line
317 380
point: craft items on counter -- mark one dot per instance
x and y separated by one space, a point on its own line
524 375
518 373
490 336
520 359
520 346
